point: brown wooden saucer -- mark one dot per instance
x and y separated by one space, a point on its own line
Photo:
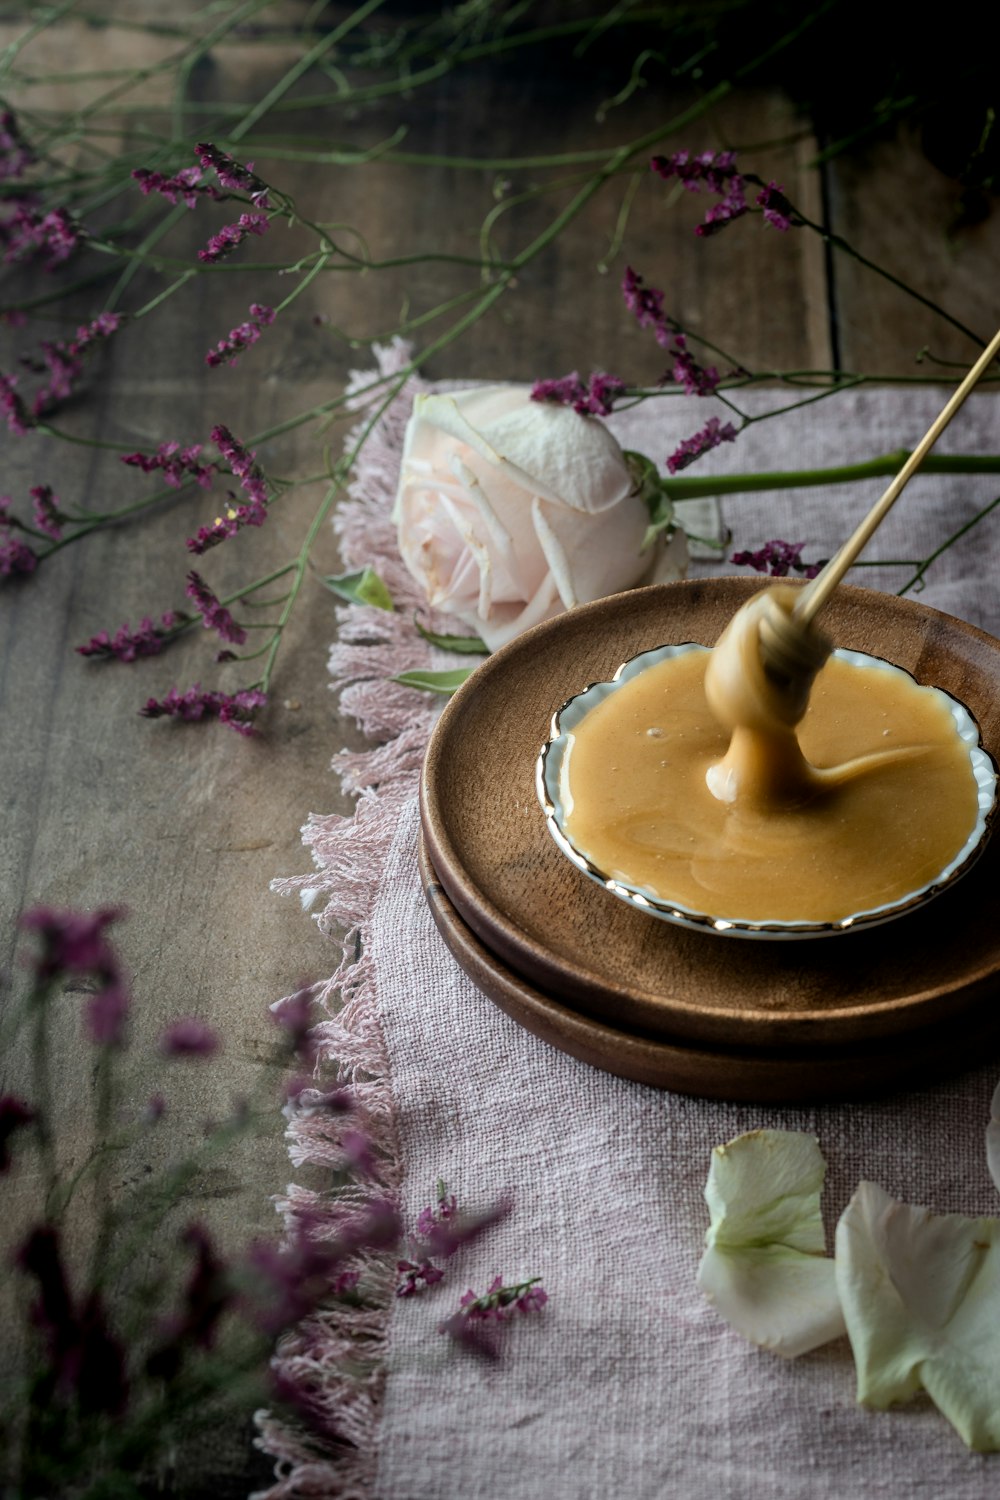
541 920
749 1076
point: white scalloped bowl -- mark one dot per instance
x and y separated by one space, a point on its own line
548 780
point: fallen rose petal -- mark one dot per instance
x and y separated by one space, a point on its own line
764 1268
921 1298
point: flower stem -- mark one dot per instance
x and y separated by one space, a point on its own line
698 486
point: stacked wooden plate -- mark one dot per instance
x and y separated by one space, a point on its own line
695 1011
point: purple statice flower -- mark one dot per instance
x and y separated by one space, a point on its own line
294 1015
177 464
14 1115
722 213
359 1154
777 209
500 1302
106 1012
64 361
470 1325
311 1266
243 336
333 1101
230 236
595 398
450 1232
127 644
714 171
235 709
185 184
646 304
207 1297
242 462
307 1397
74 943
778 559
231 173
215 615
413 1275
101 327
64 369
710 436
446 1208
697 380
13 317
15 153
85 1361
13 408
45 508
15 557
189 1037
30 235
254 513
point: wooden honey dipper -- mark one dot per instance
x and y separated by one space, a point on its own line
792 649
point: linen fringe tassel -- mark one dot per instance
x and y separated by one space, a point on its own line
349 854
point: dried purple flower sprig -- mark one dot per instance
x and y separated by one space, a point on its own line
252 512
129 645
62 362
238 710
469 1326
214 615
30 235
185 185
242 337
595 397
177 465
716 172
778 559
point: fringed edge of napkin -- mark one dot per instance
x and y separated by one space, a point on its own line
349 854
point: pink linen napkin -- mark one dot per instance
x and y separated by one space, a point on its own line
627 1382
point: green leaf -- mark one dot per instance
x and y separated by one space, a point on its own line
661 518
464 645
436 682
365 587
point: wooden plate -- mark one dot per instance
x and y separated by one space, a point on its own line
750 1076
544 921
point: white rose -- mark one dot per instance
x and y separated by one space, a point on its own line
511 510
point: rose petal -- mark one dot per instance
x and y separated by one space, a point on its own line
670 559
764 1267
551 451
921 1298
592 556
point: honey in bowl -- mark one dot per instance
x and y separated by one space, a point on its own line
782 805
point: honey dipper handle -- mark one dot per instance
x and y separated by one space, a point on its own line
813 597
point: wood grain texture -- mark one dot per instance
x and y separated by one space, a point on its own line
897 209
762 1075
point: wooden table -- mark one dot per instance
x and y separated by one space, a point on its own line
186 825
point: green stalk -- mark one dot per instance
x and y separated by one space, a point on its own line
886 465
